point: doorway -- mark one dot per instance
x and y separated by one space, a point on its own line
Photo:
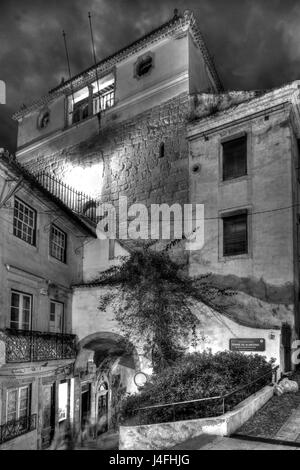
48 415
102 420
85 405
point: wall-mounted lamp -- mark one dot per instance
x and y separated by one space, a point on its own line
140 379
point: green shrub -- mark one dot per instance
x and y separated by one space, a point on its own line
198 375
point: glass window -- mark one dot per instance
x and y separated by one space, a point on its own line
24 224
18 403
235 158
58 244
20 310
56 316
235 239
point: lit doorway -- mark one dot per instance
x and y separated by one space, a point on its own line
102 421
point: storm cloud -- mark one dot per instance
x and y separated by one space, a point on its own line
255 44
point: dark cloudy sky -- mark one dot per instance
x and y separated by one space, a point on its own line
255 43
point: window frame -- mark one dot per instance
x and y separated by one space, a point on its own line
64 260
231 215
34 227
57 302
139 62
111 249
20 319
228 140
18 402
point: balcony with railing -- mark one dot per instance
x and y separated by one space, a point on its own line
17 427
77 201
33 346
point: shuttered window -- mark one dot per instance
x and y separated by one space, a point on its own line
235 236
235 158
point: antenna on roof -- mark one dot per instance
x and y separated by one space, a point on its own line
95 61
68 61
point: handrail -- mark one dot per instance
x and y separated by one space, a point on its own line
15 428
218 397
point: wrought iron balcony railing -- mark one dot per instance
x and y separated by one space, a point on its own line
77 201
16 428
32 346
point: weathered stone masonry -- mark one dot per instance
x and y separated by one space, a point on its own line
130 152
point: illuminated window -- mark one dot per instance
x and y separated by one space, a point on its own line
24 225
20 310
103 93
92 99
62 401
58 244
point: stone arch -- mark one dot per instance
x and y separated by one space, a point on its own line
106 357
104 343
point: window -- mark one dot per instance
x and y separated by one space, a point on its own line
162 150
24 225
235 158
90 100
20 310
111 248
80 111
143 66
18 403
298 161
235 238
58 243
62 401
56 321
103 95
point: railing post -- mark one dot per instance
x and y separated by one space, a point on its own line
31 346
223 405
173 412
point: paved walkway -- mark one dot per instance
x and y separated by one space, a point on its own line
208 442
227 443
290 431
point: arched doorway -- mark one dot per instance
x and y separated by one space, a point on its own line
115 362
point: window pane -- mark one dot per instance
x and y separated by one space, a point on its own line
24 402
58 244
235 158
12 404
235 235
24 222
15 299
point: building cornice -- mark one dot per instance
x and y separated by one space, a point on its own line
130 101
270 102
167 30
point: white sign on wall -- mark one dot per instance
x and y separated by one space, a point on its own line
2 92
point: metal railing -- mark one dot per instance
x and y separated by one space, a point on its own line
203 407
33 346
77 201
17 427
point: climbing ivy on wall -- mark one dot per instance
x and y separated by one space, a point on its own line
153 299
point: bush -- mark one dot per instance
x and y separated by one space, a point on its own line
198 375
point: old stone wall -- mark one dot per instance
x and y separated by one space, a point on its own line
134 162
